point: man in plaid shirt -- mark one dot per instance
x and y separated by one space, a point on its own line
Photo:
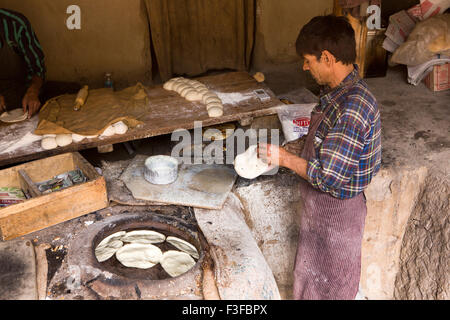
342 154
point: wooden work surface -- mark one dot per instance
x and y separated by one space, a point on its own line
169 111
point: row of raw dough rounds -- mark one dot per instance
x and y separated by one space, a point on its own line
139 252
193 90
52 141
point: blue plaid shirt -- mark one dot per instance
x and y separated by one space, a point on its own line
348 141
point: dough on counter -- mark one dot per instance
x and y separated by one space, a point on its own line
120 127
212 99
183 246
144 237
15 115
108 132
215 112
77 137
63 140
176 263
49 143
209 95
138 255
214 104
193 96
248 165
186 90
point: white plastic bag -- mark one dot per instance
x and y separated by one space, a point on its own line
295 119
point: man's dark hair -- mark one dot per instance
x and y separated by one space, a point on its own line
331 33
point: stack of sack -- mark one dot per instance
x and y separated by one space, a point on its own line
420 38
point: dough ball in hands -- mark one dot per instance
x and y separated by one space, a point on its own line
63 140
49 143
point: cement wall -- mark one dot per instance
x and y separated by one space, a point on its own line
114 37
277 26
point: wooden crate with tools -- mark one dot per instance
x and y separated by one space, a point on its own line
43 210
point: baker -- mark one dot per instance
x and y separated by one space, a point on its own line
22 67
341 155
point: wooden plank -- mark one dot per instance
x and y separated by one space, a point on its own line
28 185
169 111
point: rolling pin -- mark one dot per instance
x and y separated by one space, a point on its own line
81 98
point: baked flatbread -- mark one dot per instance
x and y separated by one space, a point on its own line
138 255
183 246
143 236
176 263
108 246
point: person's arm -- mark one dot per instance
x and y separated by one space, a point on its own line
2 103
30 102
33 55
278 156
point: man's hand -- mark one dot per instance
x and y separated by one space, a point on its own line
277 156
270 154
30 102
2 104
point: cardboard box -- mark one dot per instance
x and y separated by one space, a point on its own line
45 210
439 78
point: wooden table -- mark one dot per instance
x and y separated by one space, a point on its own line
169 112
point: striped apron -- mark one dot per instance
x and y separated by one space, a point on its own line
328 259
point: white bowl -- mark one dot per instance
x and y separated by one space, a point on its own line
161 169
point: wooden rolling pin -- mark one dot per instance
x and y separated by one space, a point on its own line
81 98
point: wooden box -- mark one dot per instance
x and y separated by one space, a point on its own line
45 210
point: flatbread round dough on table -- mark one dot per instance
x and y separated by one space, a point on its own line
12 116
138 255
248 165
183 246
144 237
176 263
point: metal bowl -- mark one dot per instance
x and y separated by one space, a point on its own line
161 169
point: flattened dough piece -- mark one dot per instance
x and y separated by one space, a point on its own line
144 237
138 255
108 246
183 246
111 237
103 253
15 115
176 263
